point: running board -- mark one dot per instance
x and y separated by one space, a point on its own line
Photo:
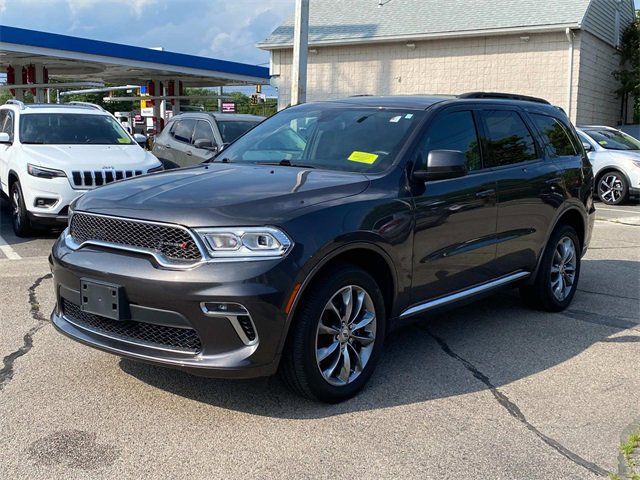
439 302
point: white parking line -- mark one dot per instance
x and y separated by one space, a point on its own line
9 252
615 210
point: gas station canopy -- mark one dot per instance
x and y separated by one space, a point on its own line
81 59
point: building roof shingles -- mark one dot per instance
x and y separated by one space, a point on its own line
362 20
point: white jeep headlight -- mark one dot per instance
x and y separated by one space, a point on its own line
245 242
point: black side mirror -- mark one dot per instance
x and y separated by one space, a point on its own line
205 144
442 165
587 147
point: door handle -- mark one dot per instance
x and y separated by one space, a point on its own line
189 152
486 193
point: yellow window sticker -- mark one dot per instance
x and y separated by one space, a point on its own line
123 140
363 157
603 142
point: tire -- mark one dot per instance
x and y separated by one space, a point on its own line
22 226
544 293
309 340
613 188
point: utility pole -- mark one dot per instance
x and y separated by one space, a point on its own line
300 50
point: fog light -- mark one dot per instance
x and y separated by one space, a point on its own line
237 315
44 202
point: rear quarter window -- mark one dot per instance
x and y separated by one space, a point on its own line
558 139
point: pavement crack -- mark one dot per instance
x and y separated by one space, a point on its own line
608 294
515 411
7 371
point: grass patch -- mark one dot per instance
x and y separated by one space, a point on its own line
629 450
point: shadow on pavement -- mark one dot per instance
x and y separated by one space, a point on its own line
498 335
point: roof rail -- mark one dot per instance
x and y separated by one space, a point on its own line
87 104
15 102
503 96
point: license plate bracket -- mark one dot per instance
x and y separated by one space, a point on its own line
103 299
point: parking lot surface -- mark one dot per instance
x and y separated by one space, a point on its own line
492 390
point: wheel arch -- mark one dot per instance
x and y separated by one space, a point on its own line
572 216
608 169
368 256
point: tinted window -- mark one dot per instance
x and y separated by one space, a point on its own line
613 139
453 131
183 129
508 139
72 129
333 137
231 130
203 131
555 135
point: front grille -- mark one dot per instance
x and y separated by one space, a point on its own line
96 178
171 242
185 339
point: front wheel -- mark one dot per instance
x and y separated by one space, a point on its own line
613 188
19 216
557 280
337 336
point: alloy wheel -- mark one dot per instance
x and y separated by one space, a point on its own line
611 188
563 268
345 335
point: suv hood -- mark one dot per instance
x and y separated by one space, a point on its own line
222 194
85 157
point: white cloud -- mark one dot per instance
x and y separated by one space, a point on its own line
137 6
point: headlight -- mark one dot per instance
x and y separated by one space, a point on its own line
43 172
248 242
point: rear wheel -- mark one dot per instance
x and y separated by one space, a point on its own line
613 188
337 336
19 217
557 279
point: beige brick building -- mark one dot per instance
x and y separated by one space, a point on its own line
451 47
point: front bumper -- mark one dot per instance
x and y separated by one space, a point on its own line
173 298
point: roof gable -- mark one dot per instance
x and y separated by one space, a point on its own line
346 21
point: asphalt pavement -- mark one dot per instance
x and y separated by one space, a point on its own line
493 390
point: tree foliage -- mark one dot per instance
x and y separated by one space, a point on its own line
629 73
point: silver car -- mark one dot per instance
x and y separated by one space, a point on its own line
193 137
615 157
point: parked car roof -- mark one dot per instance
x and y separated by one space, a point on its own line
238 117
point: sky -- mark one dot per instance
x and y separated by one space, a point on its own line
224 29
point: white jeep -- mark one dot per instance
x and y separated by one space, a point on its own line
50 154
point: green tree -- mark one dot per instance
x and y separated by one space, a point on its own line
629 73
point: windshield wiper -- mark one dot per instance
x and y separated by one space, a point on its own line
286 163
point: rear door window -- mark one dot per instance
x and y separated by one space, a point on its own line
183 130
507 138
453 131
555 135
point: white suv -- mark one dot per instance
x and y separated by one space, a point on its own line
51 154
615 157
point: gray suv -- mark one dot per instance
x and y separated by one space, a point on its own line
191 138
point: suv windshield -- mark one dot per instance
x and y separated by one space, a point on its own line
328 136
232 129
613 139
72 129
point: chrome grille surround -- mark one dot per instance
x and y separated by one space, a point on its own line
173 246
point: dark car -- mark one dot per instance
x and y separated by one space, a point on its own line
190 138
302 244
